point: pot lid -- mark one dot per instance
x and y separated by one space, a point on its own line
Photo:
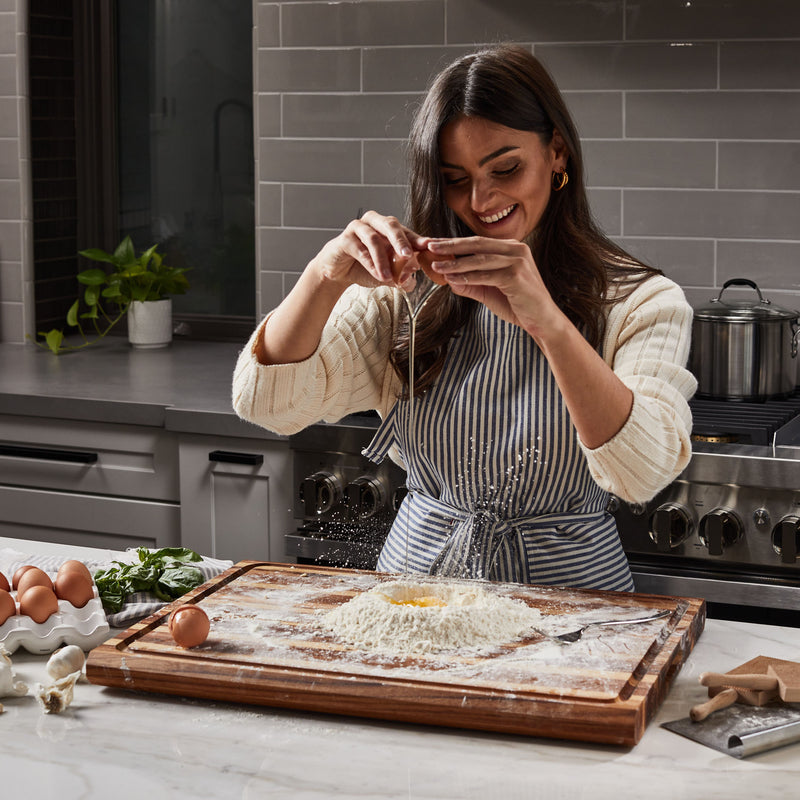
743 310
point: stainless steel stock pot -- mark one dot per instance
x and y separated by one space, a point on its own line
744 350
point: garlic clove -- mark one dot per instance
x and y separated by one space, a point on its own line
65 661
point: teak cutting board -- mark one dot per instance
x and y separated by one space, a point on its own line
267 646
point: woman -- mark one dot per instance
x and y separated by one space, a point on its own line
551 373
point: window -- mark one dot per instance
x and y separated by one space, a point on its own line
142 124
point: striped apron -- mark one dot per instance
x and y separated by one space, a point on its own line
498 487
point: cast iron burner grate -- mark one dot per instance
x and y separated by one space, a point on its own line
743 423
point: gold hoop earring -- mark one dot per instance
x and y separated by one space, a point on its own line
560 180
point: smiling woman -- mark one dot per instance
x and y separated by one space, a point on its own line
549 375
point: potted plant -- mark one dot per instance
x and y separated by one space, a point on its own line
139 286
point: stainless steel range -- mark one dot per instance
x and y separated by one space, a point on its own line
344 504
727 530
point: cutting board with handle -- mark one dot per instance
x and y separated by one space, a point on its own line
267 646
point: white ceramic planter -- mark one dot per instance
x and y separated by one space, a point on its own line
150 323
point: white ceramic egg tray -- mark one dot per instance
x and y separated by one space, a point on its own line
86 627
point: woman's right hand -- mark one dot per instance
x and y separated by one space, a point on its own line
366 251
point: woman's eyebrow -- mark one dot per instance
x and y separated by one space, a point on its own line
499 152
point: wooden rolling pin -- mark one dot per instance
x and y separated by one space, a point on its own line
759 682
725 698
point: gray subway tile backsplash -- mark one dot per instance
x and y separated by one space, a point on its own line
634 65
540 21
372 22
754 165
732 19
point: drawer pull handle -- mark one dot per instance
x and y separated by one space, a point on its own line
48 454
229 457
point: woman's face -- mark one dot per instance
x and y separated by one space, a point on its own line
497 180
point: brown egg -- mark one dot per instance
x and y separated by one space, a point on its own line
33 577
4 584
38 603
19 573
7 606
74 587
189 626
75 566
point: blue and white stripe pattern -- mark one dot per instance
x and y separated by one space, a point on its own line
498 485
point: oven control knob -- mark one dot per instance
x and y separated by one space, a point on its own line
786 539
364 497
320 492
719 529
670 525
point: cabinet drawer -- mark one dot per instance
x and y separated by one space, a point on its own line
236 496
88 520
89 457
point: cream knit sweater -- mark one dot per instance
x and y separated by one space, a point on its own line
646 343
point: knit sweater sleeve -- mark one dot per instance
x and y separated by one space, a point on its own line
348 372
646 343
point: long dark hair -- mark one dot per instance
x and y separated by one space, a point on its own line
509 86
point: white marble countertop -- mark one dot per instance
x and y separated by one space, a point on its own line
137 745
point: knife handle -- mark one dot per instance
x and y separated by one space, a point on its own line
759 682
725 698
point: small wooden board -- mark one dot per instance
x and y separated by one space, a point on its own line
268 647
786 673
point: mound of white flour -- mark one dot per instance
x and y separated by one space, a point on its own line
396 618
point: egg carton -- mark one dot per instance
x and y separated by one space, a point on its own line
86 627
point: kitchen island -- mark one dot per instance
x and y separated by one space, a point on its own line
134 745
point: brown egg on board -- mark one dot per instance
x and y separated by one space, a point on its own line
189 626
74 587
33 577
19 573
4 584
7 606
72 565
38 603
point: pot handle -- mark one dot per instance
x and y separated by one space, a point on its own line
740 282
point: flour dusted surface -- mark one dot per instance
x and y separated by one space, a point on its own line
406 618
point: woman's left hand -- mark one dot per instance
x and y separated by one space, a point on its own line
501 274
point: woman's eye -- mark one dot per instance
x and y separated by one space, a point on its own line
450 180
509 171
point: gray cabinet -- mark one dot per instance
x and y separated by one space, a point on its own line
88 483
236 496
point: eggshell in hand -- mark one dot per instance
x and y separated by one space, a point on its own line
7 606
4 584
425 259
38 603
74 587
33 577
75 566
189 626
422 259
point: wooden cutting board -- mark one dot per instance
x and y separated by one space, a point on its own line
268 647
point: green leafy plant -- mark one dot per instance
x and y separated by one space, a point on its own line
109 292
166 573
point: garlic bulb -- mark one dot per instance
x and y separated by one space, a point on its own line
65 661
57 697
8 686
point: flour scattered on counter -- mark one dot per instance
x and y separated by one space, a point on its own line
407 618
